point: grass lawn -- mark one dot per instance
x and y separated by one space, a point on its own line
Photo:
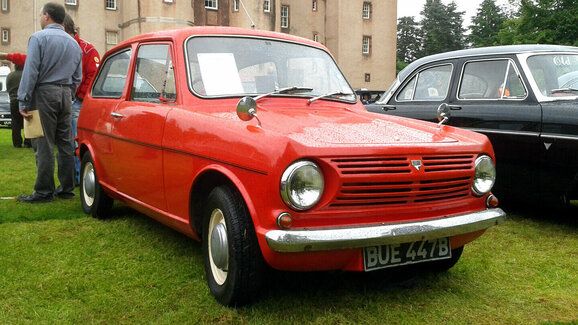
58 265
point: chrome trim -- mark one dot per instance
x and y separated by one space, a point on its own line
558 136
285 241
495 131
505 76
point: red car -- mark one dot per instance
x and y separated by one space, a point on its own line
254 143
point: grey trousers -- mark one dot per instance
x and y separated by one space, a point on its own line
54 106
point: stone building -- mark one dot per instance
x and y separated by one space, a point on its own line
361 34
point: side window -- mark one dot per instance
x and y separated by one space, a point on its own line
491 79
154 80
112 77
431 84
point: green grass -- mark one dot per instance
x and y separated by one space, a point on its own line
58 265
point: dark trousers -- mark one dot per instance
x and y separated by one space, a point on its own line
53 104
17 124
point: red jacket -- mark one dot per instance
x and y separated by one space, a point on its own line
90 62
16 58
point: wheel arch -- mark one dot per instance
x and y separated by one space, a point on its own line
207 179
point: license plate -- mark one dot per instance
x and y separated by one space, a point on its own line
379 257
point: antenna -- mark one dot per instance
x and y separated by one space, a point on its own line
246 12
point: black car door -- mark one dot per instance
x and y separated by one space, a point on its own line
493 98
423 91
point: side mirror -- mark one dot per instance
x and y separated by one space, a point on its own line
246 108
443 113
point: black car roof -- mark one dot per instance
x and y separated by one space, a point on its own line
492 50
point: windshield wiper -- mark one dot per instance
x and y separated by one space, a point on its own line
563 90
286 90
335 93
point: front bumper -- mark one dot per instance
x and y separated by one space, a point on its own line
285 241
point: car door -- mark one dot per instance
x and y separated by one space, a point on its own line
423 91
492 98
139 126
107 93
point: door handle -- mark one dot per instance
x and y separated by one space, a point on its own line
116 115
386 108
454 107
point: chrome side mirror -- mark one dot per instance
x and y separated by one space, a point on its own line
443 113
247 109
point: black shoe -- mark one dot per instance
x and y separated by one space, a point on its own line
34 198
63 195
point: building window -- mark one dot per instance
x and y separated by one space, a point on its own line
5 36
314 5
366 46
316 37
111 38
267 5
5 5
71 2
366 10
212 4
111 4
368 77
284 16
235 5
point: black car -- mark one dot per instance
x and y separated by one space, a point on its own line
5 116
523 97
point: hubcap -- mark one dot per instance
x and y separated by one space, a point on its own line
88 184
218 246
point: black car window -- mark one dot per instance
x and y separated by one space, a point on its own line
430 84
154 78
491 79
110 82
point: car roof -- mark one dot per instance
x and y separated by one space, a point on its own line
491 50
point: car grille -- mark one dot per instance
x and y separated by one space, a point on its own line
384 181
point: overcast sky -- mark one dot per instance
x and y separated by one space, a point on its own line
413 8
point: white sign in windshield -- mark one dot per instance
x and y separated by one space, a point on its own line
219 73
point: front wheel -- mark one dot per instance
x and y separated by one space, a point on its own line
93 198
233 261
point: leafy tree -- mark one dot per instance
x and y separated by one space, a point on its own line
486 25
442 27
408 39
544 22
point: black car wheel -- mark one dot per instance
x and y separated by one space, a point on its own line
233 260
93 198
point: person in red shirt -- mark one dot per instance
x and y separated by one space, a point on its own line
90 63
12 84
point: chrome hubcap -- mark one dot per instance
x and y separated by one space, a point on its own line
218 246
88 184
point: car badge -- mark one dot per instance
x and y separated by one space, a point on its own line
416 164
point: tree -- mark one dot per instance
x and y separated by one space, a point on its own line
408 39
441 27
486 25
543 22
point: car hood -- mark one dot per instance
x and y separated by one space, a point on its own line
336 125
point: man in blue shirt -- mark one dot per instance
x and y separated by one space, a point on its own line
52 72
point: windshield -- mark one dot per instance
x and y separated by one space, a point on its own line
234 66
555 74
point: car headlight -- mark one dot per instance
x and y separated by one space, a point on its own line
302 185
485 175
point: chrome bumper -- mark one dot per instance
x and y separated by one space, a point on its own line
344 238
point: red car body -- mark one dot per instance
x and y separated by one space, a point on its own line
163 158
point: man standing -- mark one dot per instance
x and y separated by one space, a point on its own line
90 62
51 75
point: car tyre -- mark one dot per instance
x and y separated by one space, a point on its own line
444 265
92 196
233 261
